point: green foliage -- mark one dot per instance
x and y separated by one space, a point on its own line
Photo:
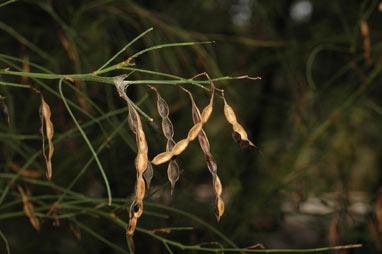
315 116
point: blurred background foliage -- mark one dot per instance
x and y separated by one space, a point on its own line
315 116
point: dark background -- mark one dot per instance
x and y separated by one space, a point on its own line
315 116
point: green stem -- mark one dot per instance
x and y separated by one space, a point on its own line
87 142
5 239
123 49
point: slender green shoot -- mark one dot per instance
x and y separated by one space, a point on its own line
124 48
87 142
5 240
6 3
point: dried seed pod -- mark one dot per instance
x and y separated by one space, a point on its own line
4 110
148 174
45 115
205 145
162 158
173 173
142 164
192 133
168 132
29 209
239 135
180 146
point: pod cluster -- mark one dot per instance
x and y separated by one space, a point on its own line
210 160
142 163
144 167
168 132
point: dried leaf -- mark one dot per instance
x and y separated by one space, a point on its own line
29 210
366 41
45 115
30 173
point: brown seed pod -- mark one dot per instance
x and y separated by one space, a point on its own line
192 133
142 164
205 145
168 132
45 115
173 173
148 174
162 158
239 135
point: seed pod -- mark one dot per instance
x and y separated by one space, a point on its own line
205 145
192 133
162 158
168 132
141 164
167 127
180 147
148 174
239 135
49 131
173 173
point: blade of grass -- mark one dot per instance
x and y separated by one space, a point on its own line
168 45
13 84
6 3
5 240
83 170
87 142
168 248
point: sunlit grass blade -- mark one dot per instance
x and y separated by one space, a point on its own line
87 142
